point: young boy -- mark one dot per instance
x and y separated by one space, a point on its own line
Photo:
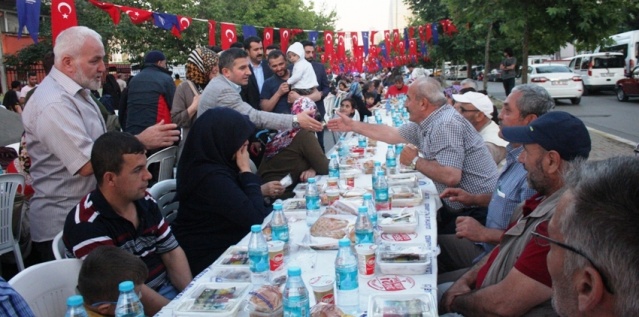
303 78
101 273
369 97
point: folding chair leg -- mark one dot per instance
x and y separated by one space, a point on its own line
18 254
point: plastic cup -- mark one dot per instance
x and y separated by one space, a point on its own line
323 289
350 180
366 259
332 195
275 255
332 182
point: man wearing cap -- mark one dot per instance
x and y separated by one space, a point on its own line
150 94
478 110
513 280
471 240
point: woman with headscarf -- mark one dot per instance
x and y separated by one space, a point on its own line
201 67
219 196
294 151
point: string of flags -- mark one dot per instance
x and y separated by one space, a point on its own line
396 49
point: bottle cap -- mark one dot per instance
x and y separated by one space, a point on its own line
277 206
333 155
311 180
256 228
378 163
294 271
344 242
75 300
362 209
126 286
368 196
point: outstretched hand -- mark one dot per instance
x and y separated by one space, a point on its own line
159 135
342 123
307 122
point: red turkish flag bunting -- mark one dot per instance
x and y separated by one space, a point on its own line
136 15
296 32
387 39
285 35
429 32
413 47
372 37
184 23
411 32
211 33
62 16
355 43
422 33
396 40
341 49
268 37
228 36
109 8
402 49
328 44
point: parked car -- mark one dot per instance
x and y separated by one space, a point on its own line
494 75
599 71
558 80
628 87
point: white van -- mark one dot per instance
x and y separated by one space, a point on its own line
626 43
599 71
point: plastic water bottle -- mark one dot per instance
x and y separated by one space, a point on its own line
342 148
366 118
279 224
363 226
391 160
333 166
399 148
377 167
129 304
382 201
295 295
361 141
75 307
372 211
258 257
346 282
312 202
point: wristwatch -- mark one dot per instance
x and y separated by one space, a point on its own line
296 124
413 164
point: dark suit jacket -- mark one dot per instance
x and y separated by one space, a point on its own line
324 85
251 92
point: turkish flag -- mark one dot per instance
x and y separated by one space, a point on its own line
373 51
341 50
109 8
355 45
422 33
413 47
396 40
387 38
411 32
268 37
372 37
296 32
62 16
136 15
328 43
211 33
402 49
183 24
229 35
285 35
429 32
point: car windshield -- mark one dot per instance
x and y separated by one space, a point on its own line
552 69
616 61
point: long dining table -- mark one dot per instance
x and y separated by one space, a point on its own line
321 262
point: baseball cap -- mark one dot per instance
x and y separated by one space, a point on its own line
554 131
479 100
153 57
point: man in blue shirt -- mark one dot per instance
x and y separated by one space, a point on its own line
11 303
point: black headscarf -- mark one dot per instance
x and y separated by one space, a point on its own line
214 138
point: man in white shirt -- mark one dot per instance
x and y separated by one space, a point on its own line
31 83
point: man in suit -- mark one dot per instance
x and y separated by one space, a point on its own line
224 91
260 71
322 80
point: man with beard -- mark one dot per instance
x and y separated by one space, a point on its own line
513 280
594 246
61 122
275 91
260 72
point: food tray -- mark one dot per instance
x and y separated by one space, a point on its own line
234 256
404 196
224 274
409 180
294 204
403 258
213 299
417 305
406 224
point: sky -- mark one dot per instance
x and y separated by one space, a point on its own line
366 15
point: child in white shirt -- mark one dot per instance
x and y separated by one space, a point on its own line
303 78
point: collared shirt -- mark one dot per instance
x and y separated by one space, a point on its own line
512 189
61 122
235 86
11 303
448 138
93 223
258 71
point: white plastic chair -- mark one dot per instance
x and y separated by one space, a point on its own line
9 184
166 158
46 286
59 250
164 194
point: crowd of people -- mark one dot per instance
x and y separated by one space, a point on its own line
528 227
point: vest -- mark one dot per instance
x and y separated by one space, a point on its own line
513 243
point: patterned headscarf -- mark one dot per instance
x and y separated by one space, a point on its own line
284 138
199 65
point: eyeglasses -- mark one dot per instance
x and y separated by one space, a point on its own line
462 110
543 240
